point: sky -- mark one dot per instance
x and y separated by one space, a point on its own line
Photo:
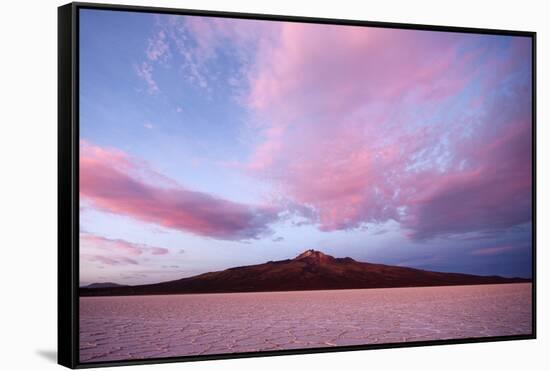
208 143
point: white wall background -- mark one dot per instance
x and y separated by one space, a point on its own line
28 183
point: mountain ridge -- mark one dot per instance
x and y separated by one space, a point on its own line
310 270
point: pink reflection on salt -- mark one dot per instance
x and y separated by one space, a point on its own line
137 327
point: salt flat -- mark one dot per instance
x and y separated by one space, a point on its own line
136 327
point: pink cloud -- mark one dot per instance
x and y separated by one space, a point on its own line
493 194
112 181
159 251
495 250
106 260
97 252
365 125
333 69
119 246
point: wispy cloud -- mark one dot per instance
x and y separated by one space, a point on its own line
494 250
119 246
98 251
197 44
109 260
158 49
145 71
157 52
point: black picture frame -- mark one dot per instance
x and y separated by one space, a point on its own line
68 181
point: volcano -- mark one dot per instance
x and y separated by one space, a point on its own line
311 270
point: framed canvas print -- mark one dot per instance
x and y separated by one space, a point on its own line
235 185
